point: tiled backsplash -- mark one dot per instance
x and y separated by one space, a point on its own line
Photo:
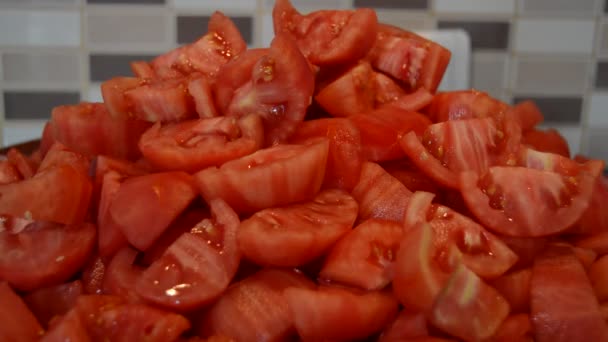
552 51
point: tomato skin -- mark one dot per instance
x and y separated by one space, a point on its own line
50 253
23 165
193 145
274 83
17 323
351 93
594 220
144 206
515 288
264 179
379 194
198 266
255 309
294 235
563 305
382 128
50 302
527 114
547 141
339 314
365 256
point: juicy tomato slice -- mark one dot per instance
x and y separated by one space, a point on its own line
351 93
8 172
109 234
142 69
382 128
465 104
407 326
22 163
344 157
121 274
274 83
255 308
44 254
466 295
297 234
113 93
60 194
410 176
164 101
365 256
413 102
598 275
200 88
563 305
339 314
265 179
50 302
144 206
527 114
520 201
595 220
517 327
380 195
327 37
70 327
597 243
410 58
17 323
92 274
515 288
221 44
196 144
196 268
547 141
89 129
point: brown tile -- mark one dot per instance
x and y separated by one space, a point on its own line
554 75
35 104
601 75
565 7
41 67
409 4
597 146
190 28
103 67
566 110
128 29
484 35
489 70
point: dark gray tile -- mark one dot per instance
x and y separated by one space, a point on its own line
484 35
103 67
35 104
557 109
151 2
606 7
190 28
601 75
415 4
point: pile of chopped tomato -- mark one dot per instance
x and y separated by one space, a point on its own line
318 189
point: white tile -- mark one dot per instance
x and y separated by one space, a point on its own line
18 131
598 143
407 19
506 7
598 109
554 36
489 70
305 6
568 8
94 93
550 74
267 30
214 5
39 28
572 134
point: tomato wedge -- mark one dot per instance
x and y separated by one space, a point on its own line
121 274
295 235
44 254
265 179
515 287
196 268
50 302
466 104
365 257
196 144
275 84
17 323
407 326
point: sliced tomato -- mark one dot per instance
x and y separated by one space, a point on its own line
22 163
121 274
144 206
410 176
344 157
221 44
196 268
327 37
410 58
255 308
379 194
17 323
92 274
407 326
365 257
382 128
109 234
598 275
69 327
547 141
297 234
465 104
47 139
89 129
196 144
597 243
44 254
413 102
200 88
595 219
142 69
276 84
515 288
527 114
466 295
563 305
387 89
265 179
526 248
113 93
521 201
165 101
349 94
516 328
60 155
50 302
339 314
